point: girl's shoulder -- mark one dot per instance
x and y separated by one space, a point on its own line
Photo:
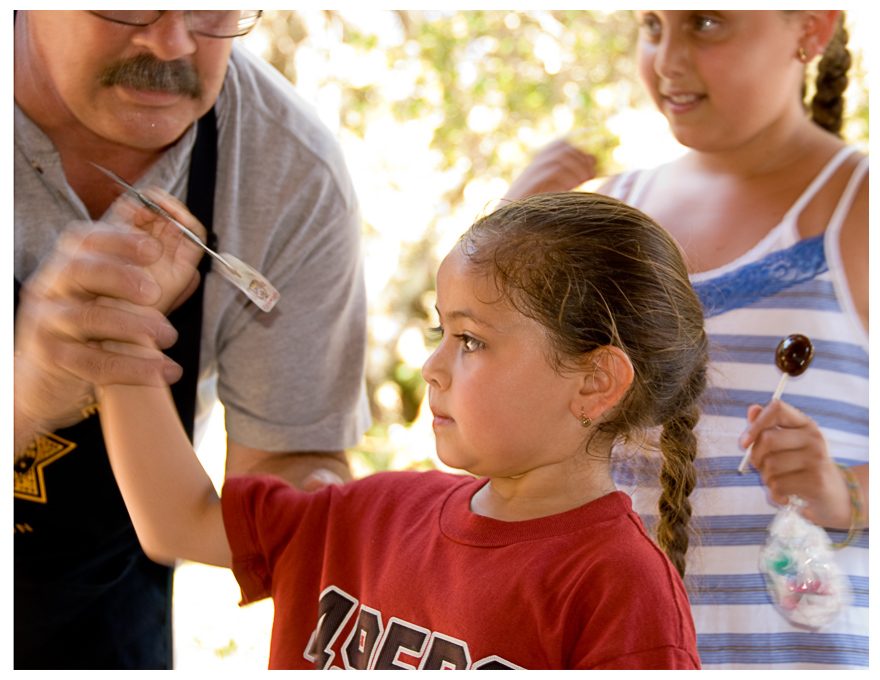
408 478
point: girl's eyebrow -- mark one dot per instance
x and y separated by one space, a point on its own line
465 314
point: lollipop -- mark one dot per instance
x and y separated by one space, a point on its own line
793 354
802 577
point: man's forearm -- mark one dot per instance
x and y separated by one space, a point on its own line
302 469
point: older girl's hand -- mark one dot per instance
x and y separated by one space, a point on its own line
792 457
560 166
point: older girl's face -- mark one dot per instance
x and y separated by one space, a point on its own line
722 78
500 409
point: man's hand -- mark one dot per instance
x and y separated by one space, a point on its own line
557 167
175 270
94 287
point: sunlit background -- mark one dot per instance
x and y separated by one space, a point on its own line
436 113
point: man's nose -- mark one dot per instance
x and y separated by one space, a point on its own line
168 38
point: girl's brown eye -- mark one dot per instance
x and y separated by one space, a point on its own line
650 26
702 23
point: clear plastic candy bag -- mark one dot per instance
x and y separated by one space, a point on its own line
801 573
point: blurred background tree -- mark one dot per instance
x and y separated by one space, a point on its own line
437 111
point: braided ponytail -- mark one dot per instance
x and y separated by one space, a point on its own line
678 477
827 104
595 272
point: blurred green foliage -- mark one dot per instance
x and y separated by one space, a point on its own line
494 85
515 69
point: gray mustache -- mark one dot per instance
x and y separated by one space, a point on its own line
145 72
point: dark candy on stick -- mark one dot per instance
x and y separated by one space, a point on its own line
793 355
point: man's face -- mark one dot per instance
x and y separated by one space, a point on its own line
137 86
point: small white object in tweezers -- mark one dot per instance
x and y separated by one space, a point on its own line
247 279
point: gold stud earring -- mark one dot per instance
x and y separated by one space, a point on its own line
802 55
586 421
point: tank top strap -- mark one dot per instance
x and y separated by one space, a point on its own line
629 185
640 182
845 202
619 185
818 182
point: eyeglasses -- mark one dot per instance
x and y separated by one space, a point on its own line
210 23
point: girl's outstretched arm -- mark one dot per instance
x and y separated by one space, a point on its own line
172 501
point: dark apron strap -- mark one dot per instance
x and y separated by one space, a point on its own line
187 318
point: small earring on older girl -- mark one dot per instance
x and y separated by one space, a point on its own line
802 55
586 421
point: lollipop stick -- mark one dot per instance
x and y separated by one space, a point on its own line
780 387
776 395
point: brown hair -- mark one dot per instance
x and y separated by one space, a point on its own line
827 104
596 272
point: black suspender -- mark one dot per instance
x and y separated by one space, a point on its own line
187 318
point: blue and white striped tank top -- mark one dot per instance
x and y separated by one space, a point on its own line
783 285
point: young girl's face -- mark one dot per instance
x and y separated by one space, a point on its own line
500 409
722 77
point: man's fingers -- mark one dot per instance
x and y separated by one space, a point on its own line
110 318
131 246
100 261
175 208
100 319
105 364
87 277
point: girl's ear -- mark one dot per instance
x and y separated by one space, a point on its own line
818 27
605 381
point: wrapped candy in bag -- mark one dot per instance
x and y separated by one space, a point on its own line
801 573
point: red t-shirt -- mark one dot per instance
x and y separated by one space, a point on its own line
395 571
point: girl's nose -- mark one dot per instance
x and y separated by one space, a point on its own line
670 56
434 371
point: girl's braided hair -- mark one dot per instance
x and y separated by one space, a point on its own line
596 272
827 104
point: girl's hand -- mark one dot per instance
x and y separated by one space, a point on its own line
792 457
176 270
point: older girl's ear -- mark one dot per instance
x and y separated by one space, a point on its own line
818 28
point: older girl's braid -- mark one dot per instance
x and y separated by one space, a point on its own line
831 81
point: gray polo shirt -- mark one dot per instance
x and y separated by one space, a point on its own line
293 379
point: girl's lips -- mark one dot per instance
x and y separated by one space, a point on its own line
681 103
441 419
